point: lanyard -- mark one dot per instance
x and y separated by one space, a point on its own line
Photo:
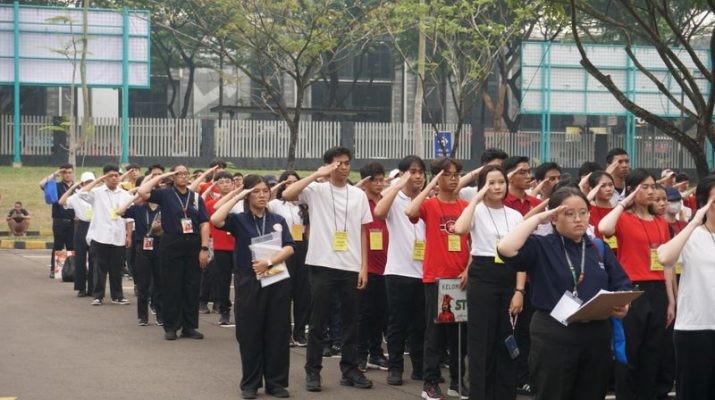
650 242
513 319
261 231
148 226
347 203
184 206
579 279
506 221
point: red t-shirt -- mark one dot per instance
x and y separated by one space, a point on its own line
522 205
376 259
222 240
597 214
636 238
215 192
439 221
691 203
677 226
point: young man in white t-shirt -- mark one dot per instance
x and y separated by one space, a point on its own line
337 256
403 271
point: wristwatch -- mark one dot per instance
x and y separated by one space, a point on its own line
270 262
522 291
204 248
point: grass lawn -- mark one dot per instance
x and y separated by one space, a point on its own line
21 184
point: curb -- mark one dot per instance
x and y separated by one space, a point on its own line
41 232
25 244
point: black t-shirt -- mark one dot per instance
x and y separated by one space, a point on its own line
57 210
244 227
172 205
17 215
143 217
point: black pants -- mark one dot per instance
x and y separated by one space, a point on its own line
523 338
207 289
644 326
223 267
406 321
108 259
492 372
666 371
300 289
569 362
264 332
324 282
63 237
83 281
180 280
695 352
371 317
438 338
147 273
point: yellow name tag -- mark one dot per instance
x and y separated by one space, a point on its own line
340 241
418 250
454 243
678 268
296 231
376 240
612 242
655 265
88 214
113 214
497 259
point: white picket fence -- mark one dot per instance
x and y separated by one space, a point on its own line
376 140
35 136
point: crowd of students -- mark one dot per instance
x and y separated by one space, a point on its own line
355 264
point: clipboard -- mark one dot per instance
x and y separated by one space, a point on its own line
599 307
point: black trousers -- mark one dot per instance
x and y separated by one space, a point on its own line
207 289
63 237
569 362
406 321
147 273
180 280
300 289
131 258
223 268
438 338
371 317
83 281
695 352
644 326
666 371
492 372
108 259
264 332
523 338
324 282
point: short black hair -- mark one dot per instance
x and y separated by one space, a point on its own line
541 170
588 167
221 163
222 175
510 163
66 166
110 167
19 202
237 174
557 198
155 166
133 166
596 176
372 170
442 164
492 154
407 163
336 151
250 182
682 177
616 151
196 171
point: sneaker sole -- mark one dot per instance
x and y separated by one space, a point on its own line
376 366
426 396
454 393
347 382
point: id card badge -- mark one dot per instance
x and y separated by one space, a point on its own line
655 265
418 250
148 243
567 305
296 232
612 242
88 214
512 347
113 214
187 226
340 241
376 240
454 243
678 268
497 258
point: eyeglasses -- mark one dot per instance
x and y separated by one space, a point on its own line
182 174
571 214
451 176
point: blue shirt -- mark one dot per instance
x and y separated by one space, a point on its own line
143 217
543 258
57 210
244 227
172 210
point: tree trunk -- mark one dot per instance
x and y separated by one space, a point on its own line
419 92
86 106
294 127
189 88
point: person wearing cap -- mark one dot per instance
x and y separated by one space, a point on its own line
667 178
83 281
272 182
672 211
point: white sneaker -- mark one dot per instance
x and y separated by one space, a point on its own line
97 302
122 302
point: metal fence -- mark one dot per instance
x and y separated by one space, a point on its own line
376 140
36 137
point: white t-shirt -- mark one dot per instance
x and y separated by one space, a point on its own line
489 225
238 207
468 193
82 209
335 209
286 209
696 296
402 238
106 227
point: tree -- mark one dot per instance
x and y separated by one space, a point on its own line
282 45
672 28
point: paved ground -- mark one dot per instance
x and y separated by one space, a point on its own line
57 346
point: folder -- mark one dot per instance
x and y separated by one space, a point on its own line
600 306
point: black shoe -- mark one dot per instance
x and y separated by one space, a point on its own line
312 382
300 342
82 293
52 275
454 391
143 322
394 378
159 321
204 308
170 335
249 393
215 308
362 366
281 393
224 319
192 334
431 391
379 362
356 379
326 352
335 351
417 376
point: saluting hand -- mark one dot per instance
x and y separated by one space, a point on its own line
326 170
482 193
546 216
702 211
404 178
631 197
583 183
